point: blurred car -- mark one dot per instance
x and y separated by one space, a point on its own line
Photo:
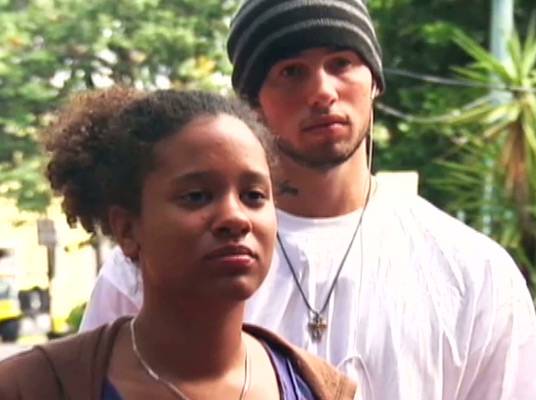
10 310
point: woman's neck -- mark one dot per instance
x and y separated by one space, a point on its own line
205 344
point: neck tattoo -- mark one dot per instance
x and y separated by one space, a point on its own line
286 189
317 323
179 394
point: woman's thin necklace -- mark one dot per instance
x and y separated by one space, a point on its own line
179 394
317 323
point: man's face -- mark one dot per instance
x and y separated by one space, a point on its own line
318 104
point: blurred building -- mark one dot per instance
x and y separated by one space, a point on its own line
73 256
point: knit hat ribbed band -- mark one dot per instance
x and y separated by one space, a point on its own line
264 32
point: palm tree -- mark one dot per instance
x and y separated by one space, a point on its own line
499 157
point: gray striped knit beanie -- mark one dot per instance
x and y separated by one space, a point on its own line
264 32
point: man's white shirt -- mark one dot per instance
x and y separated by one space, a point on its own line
425 307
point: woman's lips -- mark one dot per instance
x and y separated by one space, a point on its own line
231 250
236 257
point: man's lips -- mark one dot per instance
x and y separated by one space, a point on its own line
325 121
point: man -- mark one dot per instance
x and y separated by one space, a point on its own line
405 299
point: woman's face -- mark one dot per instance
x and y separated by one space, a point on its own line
207 223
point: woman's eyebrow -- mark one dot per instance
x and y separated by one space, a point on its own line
256 177
196 176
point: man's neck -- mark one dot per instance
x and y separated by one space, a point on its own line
313 193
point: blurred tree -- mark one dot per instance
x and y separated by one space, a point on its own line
416 37
52 48
501 154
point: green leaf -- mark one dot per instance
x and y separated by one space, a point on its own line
483 58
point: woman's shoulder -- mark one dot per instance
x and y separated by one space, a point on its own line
43 357
22 373
324 380
16 364
58 366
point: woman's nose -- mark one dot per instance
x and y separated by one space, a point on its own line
232 219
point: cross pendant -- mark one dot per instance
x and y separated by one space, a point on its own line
317 325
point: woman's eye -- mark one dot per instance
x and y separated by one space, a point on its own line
195 198
255 197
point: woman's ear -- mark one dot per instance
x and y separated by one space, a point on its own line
123 225
256 107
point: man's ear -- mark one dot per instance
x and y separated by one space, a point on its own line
373 91
123 225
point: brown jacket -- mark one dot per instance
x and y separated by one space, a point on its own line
75 368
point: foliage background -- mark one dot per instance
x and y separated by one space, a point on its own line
52 48
417 36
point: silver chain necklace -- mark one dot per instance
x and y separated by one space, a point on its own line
179 394
317 323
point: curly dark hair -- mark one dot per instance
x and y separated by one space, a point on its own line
101 145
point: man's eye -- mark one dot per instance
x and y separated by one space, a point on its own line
195 198
341 63
292 71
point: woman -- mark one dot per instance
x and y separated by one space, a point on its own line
181 181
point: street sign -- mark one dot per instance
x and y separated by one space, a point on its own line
46 233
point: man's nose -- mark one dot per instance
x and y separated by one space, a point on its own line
322 90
